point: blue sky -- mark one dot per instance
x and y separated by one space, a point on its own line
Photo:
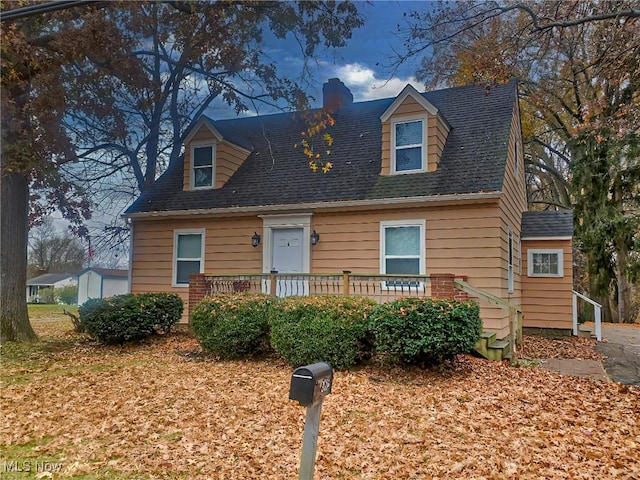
363 65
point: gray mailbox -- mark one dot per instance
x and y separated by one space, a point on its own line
311 383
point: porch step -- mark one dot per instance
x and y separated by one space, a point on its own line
485 339
585 331
493 349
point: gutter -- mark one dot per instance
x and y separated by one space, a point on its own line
415 201
562 237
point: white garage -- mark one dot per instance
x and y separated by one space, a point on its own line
95 282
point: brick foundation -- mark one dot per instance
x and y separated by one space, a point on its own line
443 286
461 295
197 289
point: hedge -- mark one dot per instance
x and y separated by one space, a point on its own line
232 325
333 329
425 331
123 318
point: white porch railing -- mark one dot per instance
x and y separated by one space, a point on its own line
597 314
381 288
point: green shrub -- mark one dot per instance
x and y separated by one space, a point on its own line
46 295
232 325
128 317
425 331
324 328
67 295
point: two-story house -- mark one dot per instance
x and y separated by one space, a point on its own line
422 183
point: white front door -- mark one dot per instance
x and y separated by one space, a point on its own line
287 257
287 250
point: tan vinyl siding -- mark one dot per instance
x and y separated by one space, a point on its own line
460 240
463 240
227 250
546 301
409 107
203 135
228 158
385 168
437 138
512 205
436 135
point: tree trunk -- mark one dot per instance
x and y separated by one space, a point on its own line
14 205
624 287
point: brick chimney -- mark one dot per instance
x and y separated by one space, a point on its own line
335 95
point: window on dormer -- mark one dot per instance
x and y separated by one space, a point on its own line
203 166
409 148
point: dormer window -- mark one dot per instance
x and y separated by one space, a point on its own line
409 150
203 166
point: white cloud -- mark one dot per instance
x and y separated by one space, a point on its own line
364 84
356 75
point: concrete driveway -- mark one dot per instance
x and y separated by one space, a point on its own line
621 345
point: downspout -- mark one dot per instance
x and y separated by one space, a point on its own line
130 223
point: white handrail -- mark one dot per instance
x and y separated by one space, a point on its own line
597 313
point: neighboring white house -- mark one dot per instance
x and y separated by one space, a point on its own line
48 280
94 282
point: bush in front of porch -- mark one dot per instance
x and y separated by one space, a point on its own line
326 328
232 325
339 330
425 331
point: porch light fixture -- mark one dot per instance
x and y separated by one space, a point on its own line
255 240
315 236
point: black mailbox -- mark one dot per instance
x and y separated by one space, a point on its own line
311 383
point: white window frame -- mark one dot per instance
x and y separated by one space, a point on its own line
510 256
422 258
176 234
558 251
192 173
425 138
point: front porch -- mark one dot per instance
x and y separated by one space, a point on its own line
381 288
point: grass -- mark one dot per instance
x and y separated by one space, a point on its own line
49 312
159 408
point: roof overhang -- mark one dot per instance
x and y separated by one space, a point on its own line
408 91
377 203
202 121
562 237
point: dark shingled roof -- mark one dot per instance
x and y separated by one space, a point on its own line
551 223
50 278
107 272
275 173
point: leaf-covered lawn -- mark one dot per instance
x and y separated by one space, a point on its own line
160 409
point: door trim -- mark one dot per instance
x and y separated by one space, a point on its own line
299 220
